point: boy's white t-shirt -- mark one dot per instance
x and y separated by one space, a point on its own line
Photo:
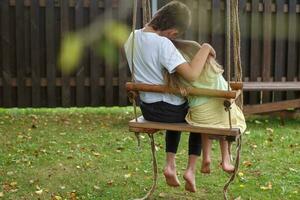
152 55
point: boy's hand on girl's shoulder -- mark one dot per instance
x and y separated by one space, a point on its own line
212 51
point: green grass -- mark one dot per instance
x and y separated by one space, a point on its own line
89 154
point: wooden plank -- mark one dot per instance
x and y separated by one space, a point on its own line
271 86
65 27
298 38
292 45
72 3
27 52
280 47
80 93
108 66
255 53
94 64
245 44
122 64
50 55
35 53
271 107
5 46
203 22
20 54
123 71
44 82
192 29
139 20
218 29
267 47
161 3
246 86
183 127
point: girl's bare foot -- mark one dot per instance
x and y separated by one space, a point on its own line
171 177
205 167
227 167
190 184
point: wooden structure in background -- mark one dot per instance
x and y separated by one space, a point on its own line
30 32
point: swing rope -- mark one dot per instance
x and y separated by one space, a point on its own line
234 23
228 54
133 95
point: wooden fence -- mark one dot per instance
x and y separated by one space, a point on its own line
31 31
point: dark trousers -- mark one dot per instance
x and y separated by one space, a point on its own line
168 113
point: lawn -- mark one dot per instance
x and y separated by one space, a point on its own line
89 154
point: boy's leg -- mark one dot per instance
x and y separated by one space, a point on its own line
226 162
194 153
164 112
206 157
172 141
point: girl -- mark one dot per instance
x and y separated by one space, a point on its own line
208 111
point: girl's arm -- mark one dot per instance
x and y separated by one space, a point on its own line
192 71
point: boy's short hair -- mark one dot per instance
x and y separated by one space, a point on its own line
173 15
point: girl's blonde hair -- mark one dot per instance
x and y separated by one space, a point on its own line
174 81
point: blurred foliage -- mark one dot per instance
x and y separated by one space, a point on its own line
71 52
106 42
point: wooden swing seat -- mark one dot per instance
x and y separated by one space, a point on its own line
144 126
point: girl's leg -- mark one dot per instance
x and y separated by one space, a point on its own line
226 161
206 157
194 153
190 174
172 141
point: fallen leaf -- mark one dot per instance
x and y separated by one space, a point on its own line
96 187
13 184
110 182
247 163
270 130
57 198
1 194
39 192
127 176
293 170
268 187
10 173
73 196
257 122
96 154
162 195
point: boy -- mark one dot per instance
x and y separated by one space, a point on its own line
153 53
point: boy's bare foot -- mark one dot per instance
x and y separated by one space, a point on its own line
171 177
190 184
227 167
205 167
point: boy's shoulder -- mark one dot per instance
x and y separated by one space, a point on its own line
153 36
